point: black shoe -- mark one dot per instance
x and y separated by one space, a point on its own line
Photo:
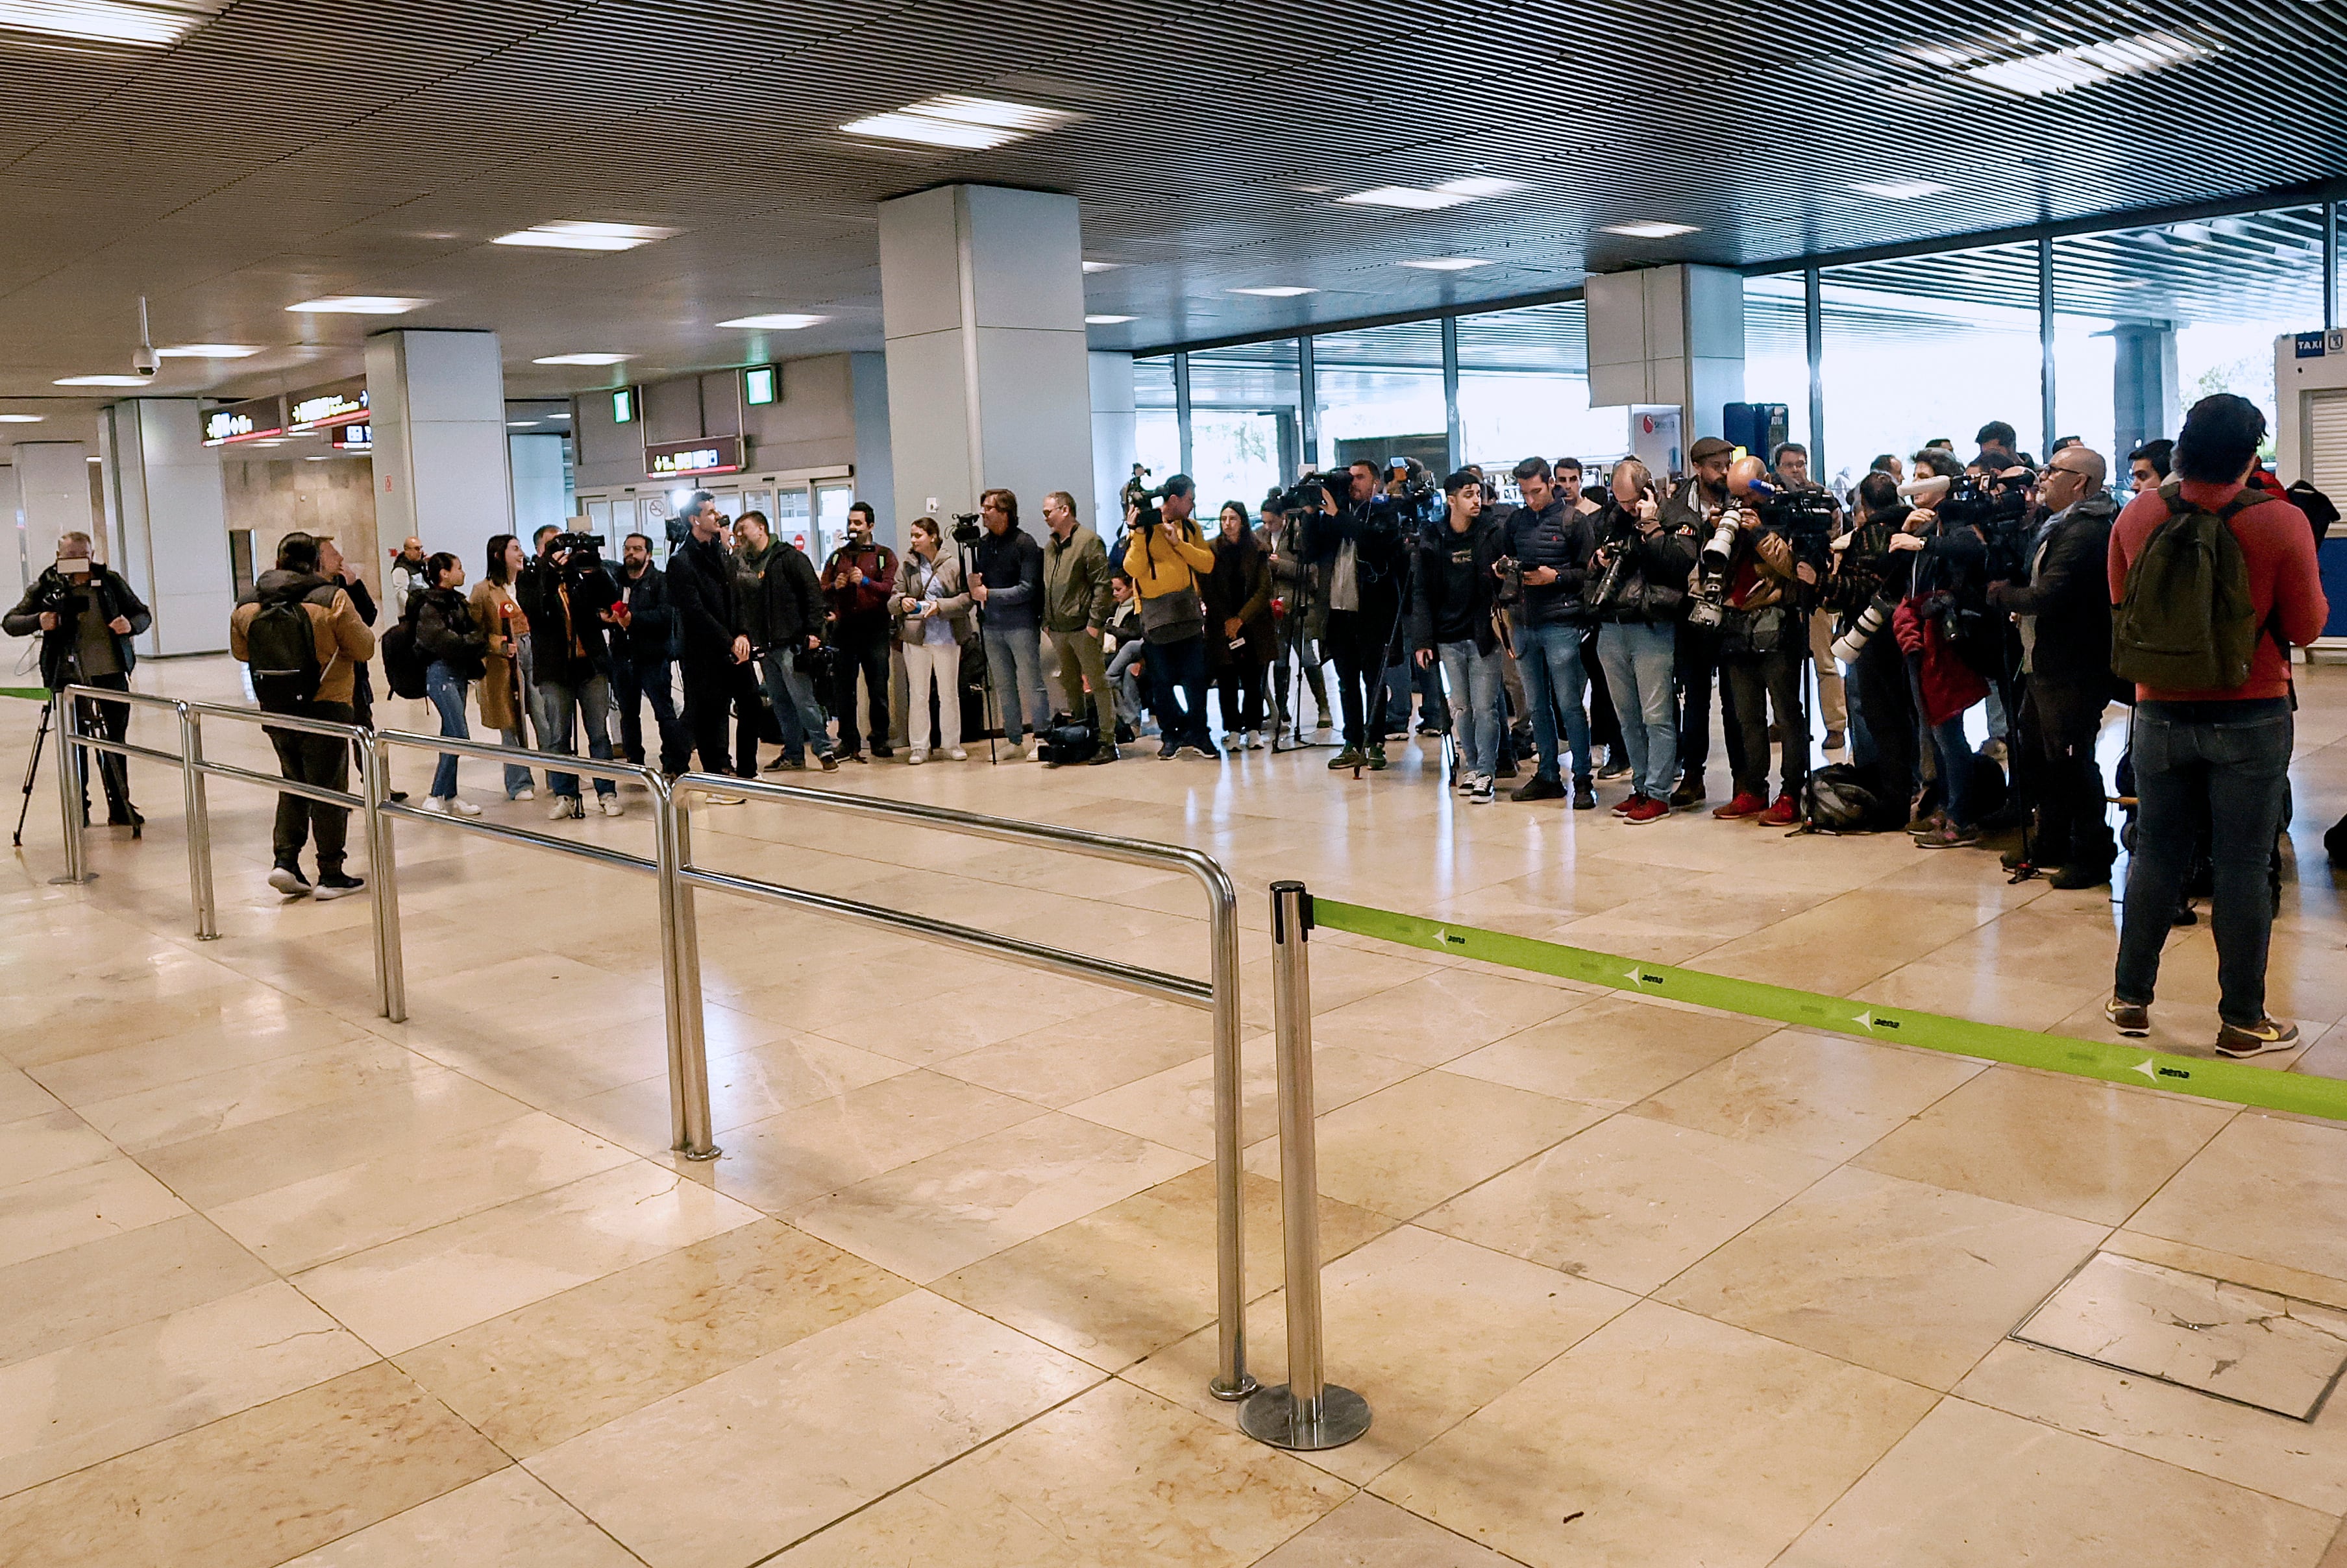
1377 763
289 880
333 885
1585 798
399 797
1124 736
2184 915
1203 753
125 817
1102 755
2266 1034
1539 786
2070 878
1690 791
830 762
779 763
1165 753
1507 769
858 757
883 752
1347 757
2014 859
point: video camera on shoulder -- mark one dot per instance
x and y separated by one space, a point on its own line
967 529
1309 494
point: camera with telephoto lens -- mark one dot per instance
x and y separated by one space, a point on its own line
1708 604
965 529
1512 582
1871 619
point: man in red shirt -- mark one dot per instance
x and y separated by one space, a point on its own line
2221 755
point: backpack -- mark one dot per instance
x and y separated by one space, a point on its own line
281 648
1845 798
403 662
2186 622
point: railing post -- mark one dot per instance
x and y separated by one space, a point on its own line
200 822
688 1055
70 790
1232 1380
1307 1412
383 878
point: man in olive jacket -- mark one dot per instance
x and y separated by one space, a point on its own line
1077 603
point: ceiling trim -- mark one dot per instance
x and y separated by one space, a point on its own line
1363 323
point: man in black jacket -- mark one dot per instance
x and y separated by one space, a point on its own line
641 649
1450 621
2064 613
700 593
1365 559
569 604
781 609
1553 542
86 616
1695 506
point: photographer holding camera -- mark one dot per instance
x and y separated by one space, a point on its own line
1750 574
857 582
569 599
1360 546
642 652
1868 583
1551 543
1453 619
1788 470
1695 508
1166 558
1638 587
86 616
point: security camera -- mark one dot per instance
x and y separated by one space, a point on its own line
145 360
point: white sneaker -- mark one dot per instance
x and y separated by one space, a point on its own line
1252 740
1466 784
433 803
525 793
957 754
918 755
608 805
457 806
561 806
1035 748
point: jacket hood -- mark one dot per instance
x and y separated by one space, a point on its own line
277 580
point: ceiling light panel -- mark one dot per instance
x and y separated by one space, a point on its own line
1101 266
1406 197
106 21
102 380
582 236
584 359
958 121
1476 187
20 419
358 305
1108 321
1897 189
1276 291
1447 263
2048 72
207 351
1651 231
780 321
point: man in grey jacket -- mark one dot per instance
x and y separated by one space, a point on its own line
1007 580
1077 603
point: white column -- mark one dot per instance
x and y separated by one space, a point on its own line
52 497
982 305
437 402
1115 438
167 519
1668 337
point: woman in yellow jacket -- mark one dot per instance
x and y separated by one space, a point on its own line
1166 563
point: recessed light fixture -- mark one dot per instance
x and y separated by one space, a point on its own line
582 236
93 459
318 458
1101 266
1408 197
1447 263
1649 231
1275 292
207 351
1475 186
2060 70
1897 189
955 120
522 424
106 21
358 305
780 321
20 419
1108 321
101 381
583 359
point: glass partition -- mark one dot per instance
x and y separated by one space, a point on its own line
1777 361
1523 390
1157 433
1379 392
1246 409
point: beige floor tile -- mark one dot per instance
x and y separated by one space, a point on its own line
509 1519
2265 1187
1426 1327
937 1215
85 1203
1113 1478
427 1286
258 1486
745 1087
2036 998
1630 1203
787 1160
814 1430
1662 1438
1911 1280
1061 1063
1974 1488
192 1107
2258 1274
1341 976
1844 943
543 1375
1370 1533
1176 1107
106 1396
45 1143
1405 1149
1444 1014
1612 1051
1819 1093
132 1276
1139 1275
2068 1145
21 1097
342 1212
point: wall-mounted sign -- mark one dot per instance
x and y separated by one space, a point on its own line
689 459
344 402
359 438
2310 346
623 406
255 419
761 384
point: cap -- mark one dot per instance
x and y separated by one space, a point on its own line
1710 446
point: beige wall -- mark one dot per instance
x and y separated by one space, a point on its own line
275 497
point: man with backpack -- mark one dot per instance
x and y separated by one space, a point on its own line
302 641
2212 582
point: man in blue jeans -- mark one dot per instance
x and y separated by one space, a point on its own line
569 606
1551 542
642 654
2221 753
1006 575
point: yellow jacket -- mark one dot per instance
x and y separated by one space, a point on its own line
1166 558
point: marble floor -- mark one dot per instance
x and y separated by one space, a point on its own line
1625 1283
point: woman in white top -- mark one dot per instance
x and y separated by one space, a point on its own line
932 609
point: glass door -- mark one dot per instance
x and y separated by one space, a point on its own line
831 503
791 520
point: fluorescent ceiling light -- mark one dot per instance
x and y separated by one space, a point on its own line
318 458
2040 75
20 419
1101 266
582 236
93 459
1447 263
781 321
104 21
957 120
966 110
1408 197
1275 292
1475 186
101 381
358 305
1897 190
1648 230
1108 321
583 359
522 424
207 351
930 132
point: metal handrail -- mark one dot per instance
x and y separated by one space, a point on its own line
1219 994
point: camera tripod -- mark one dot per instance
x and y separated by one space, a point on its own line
33 770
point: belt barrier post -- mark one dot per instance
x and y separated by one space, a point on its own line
383 878
70 792
1307 1412
200 822
1232 1380
688 1056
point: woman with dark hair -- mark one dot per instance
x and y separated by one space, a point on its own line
1238 619
452 646
498 615
931 604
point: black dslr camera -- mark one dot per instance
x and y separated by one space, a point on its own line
1309 494
965 529
1999 509
584 552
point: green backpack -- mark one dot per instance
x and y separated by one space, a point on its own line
2187 622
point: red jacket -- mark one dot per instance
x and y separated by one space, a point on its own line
2285 588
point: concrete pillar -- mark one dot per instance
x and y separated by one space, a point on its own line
167 517
1668 337
1116 443
876 466
52 497
540 489
442 471
982 306
2146 402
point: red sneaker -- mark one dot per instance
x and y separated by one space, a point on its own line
1645 809
1784 814
1745 803
1622 807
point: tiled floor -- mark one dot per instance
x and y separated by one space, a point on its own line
1625 1283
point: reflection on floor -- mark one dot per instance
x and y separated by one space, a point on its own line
1626 1284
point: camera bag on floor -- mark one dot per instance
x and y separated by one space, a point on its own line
1067 742
1846 798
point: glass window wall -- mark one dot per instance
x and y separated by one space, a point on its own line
1380 394
1776 358
1523 390
1157 430
1245 436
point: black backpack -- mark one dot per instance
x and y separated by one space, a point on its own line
2186 621
1845 798
281 648
403 662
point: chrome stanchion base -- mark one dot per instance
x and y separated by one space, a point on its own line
1229 1394
1274 1417
713 1151
86 877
